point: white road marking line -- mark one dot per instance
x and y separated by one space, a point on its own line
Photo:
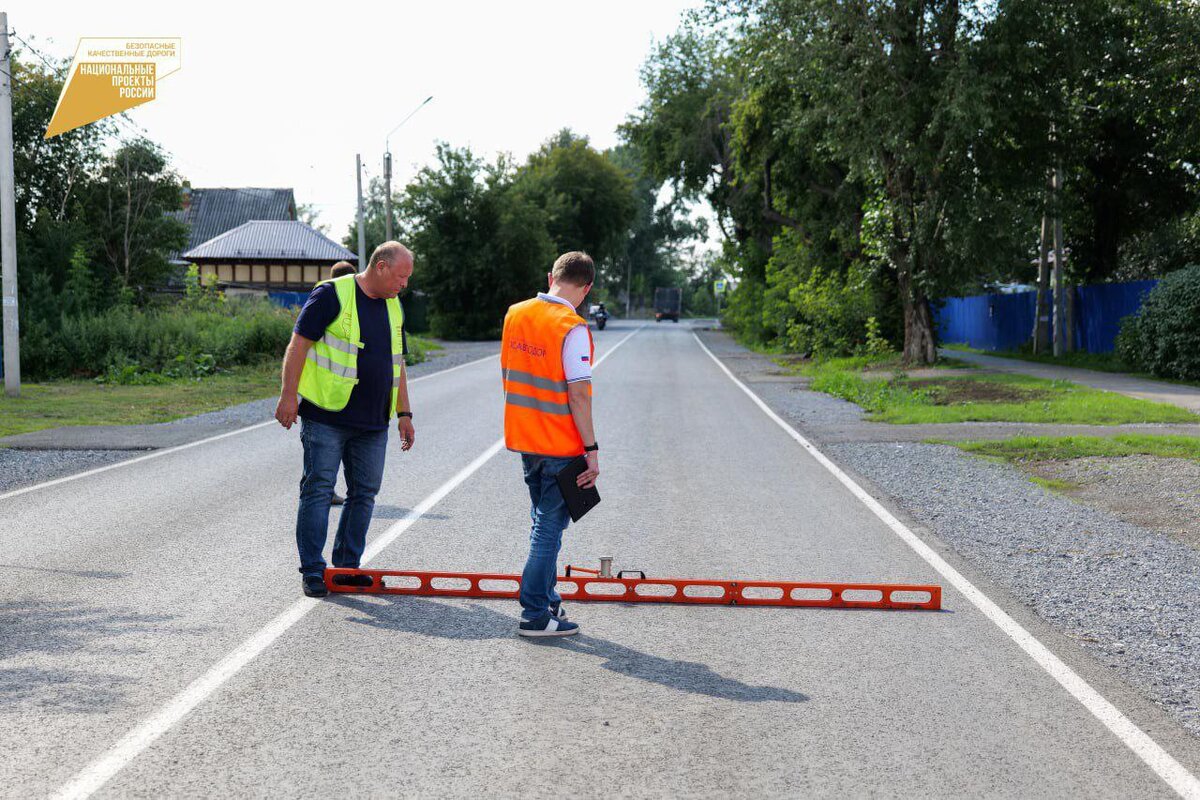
167 451
1176 776
133 743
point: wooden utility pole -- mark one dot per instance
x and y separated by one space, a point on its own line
362 230
8 225
1060 316
1041 321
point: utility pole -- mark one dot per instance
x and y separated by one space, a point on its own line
362 230
387 168
387 195
628 285
8 224
1060 333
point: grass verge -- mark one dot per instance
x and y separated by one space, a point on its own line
55 404
1064 448
82 402
961 396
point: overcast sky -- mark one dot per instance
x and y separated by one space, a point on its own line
285 94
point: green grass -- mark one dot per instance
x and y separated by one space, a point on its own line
419 349
1053 484
55 404
1064 448
73 402
959 397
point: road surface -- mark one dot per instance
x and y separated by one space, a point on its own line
154 641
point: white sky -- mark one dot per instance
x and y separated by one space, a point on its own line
285 94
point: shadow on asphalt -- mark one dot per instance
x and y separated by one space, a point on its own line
476 622
60 631
399 512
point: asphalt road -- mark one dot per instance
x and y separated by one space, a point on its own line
153 641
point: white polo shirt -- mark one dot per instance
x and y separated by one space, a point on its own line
577 349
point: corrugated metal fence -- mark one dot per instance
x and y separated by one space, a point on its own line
1005 321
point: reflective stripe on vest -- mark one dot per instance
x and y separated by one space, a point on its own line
334 367
537 410
331 367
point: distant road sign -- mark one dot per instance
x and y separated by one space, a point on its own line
719 286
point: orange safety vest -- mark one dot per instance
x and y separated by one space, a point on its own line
537 416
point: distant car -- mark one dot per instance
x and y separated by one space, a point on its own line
668 301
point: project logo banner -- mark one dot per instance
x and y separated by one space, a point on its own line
112 74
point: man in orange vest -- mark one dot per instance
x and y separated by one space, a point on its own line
546 358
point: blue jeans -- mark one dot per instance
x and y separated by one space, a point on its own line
548 512
362 453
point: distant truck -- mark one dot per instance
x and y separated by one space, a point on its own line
667 303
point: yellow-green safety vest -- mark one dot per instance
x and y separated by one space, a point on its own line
331 370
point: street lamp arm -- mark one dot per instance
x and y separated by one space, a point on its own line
386 142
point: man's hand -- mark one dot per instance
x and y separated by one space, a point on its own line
407 434
286 410
587 478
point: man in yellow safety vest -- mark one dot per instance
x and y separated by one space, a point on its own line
344 378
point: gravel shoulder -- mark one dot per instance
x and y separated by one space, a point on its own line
1127 593
45 455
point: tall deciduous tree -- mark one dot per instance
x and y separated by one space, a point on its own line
480 245
129 214
587 200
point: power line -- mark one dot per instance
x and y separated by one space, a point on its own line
38 53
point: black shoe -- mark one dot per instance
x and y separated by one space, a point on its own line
314 586
354 580
337 500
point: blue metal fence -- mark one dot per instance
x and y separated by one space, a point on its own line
1005 321
288 299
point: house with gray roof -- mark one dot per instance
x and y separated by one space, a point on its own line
267 255
211 212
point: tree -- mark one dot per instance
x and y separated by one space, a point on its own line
586 199
129 214
480 245
651 252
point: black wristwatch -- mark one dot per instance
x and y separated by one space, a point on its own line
404 414
591 448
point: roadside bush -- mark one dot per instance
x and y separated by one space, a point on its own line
1164 336
124 344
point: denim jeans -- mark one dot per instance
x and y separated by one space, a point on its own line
548 513
362 453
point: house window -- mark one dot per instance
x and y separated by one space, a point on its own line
277 273
225 273
241 273
312 273
258 273
295 273
208 275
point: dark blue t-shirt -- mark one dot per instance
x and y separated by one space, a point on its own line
370 399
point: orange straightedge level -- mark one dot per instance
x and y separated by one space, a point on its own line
579 588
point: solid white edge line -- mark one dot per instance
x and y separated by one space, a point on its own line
169 450
92 777
1175 775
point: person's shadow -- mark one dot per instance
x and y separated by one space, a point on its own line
419 615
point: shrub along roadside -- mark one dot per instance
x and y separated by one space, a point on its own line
1163 338
126 341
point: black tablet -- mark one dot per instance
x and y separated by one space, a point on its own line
579 501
